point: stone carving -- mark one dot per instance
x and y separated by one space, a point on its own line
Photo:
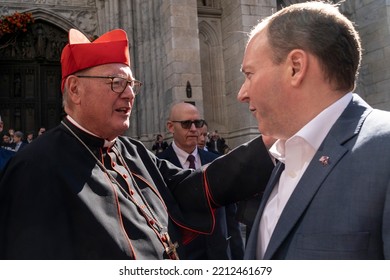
42 42
85 21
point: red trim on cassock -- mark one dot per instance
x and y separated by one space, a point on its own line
209 195
188 234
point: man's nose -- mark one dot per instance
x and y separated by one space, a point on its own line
128 93
242 94
193 127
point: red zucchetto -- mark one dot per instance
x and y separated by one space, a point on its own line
80 53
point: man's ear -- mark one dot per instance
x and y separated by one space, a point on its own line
170 127
73 85
298 61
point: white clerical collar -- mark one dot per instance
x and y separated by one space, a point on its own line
107 143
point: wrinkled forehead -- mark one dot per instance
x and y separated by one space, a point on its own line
111 69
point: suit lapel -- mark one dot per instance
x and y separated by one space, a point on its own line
345 128
202 157
304 193
172 157
250 251
206 157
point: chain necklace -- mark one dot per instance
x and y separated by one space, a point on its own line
152 221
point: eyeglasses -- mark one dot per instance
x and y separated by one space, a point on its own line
188 123
119 84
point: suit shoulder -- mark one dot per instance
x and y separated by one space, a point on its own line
378 120
166 154
208 154
383 115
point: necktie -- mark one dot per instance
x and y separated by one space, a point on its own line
191 160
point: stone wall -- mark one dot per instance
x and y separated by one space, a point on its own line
372 21
237 20
173 42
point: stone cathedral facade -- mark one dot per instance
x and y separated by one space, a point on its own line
183 50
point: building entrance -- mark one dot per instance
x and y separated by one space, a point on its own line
30 78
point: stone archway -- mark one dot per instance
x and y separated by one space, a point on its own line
212 66
30 77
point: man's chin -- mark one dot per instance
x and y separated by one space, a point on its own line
120 130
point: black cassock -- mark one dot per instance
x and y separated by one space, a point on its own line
56 202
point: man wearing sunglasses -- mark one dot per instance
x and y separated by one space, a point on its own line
84 191
185 125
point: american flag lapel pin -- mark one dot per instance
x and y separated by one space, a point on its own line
324 160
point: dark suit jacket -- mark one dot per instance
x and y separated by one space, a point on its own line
226 241
170 155
340 210
221 146
73 212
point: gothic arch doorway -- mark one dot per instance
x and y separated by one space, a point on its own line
30 78
212 66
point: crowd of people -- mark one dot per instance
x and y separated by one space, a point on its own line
12 141
318 173
15 140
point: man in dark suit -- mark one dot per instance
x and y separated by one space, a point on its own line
185 123
159 145
329 195
18 140
217 144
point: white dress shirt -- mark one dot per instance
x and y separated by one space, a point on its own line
183 155
296 153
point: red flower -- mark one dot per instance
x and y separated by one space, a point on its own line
18 22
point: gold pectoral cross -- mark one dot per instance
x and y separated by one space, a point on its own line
170 247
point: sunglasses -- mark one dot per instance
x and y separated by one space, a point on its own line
188 123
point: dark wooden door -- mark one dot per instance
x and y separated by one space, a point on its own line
30 78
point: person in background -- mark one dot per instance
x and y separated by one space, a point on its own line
203 137
6 147
329 195
185 124
217 144
30 137
5 156
160 145
6 142
41 131
1 127
82 190
11 133
18 141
